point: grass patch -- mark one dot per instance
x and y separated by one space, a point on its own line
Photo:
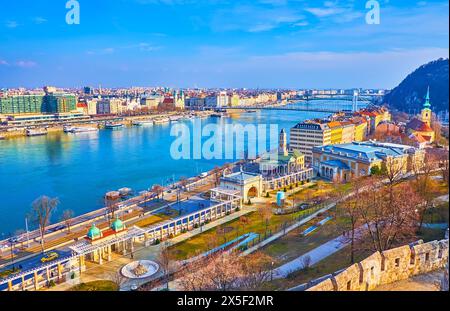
428 234
96 286
438 214
211 238
294 244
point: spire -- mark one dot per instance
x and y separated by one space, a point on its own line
427 104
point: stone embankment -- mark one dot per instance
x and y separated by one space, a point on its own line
386 267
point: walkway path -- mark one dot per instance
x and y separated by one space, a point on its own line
315 255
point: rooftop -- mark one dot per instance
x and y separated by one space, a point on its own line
366 150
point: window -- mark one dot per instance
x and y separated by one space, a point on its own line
372 272
349 285
397 262
427 256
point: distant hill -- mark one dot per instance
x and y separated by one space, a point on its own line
411 92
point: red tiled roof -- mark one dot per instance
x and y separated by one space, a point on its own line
418 125
168 100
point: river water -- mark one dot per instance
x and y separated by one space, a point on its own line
80 168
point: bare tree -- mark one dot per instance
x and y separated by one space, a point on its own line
158 190
388 216
41 212
218 273
183 182
111 207
349 209
217 173
256 270
425 186
265 212
437 128
67 217
165 262
117 278
244 221
392 170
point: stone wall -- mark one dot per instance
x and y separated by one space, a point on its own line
389 266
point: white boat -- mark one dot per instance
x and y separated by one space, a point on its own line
161 121
68 129
36 132
111 125
84 129
142 122
175 118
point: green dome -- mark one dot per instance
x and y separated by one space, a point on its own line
94 232
117 225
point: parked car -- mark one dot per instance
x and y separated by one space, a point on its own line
49 257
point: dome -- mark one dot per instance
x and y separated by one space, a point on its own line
117 225
94 232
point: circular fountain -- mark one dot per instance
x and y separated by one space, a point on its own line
140 269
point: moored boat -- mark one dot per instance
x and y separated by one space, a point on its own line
84 129
112 125
36 132
161 120
67 129
142 122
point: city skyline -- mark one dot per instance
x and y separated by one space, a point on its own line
262 44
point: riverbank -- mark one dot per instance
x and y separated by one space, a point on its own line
14 131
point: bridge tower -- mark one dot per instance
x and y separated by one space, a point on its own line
355 101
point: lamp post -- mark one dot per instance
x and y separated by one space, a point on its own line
271 271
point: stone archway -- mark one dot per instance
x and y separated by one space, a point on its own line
252 192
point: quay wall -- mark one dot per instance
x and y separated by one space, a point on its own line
386 267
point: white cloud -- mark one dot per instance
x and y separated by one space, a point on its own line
26 64
11 24
3 62
39 20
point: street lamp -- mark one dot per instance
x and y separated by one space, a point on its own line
271 271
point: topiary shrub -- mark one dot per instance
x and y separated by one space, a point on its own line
157 241
267 195
195 226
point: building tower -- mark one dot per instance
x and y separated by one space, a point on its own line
282 143
426 111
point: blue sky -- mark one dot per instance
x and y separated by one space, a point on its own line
218 43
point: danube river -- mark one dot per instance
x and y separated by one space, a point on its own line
80 168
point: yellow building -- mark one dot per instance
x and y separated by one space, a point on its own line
360 129
336 132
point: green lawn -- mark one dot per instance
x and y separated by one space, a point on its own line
333 263
97 286
212 238
294 244
438 214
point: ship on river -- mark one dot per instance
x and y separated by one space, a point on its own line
113 126
143 122
36 132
